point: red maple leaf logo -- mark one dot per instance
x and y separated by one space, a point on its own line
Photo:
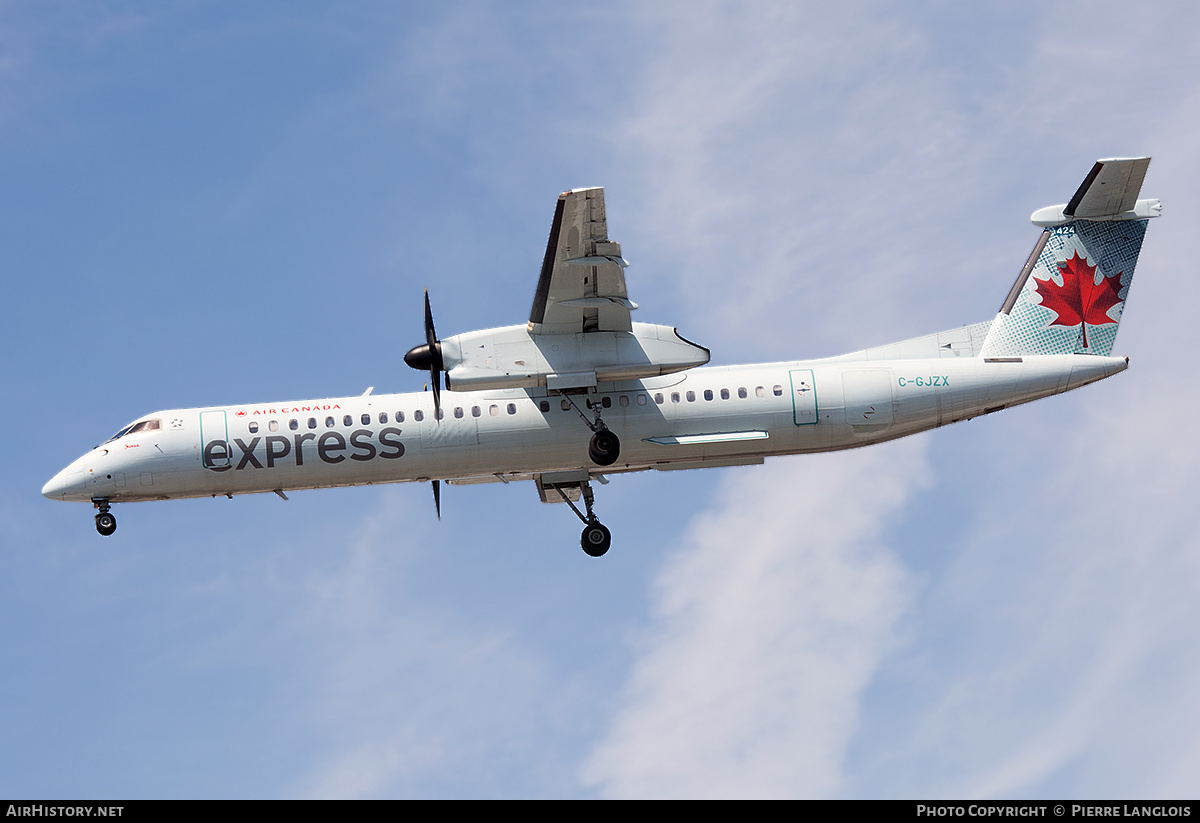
1080 300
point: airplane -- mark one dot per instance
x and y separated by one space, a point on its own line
581 392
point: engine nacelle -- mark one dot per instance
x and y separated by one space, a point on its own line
511 357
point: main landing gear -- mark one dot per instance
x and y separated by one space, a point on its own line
604 447
596 538
106 522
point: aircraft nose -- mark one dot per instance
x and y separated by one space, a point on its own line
55 487
66 485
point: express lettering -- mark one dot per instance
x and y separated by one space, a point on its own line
330 447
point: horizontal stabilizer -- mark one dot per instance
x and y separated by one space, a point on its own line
1109 192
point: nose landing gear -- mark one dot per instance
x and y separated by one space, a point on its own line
106 522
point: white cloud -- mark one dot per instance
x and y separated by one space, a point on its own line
788 164
409 696
768 625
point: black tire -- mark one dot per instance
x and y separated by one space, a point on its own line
595 539
106 523
605 448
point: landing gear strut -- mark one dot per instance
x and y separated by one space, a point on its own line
596 538
106 522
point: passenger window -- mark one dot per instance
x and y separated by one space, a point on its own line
760 391
494 410
330 422
778 390
544 405
512 408
724 394
293 424
742 393
399 417
641 399
691 396
658 398
624 400
458 412
566 404
312 422
475 412
708 395
253 427
440 414
366 419
382 418
606 402
674 397
347 421
273 425
418 415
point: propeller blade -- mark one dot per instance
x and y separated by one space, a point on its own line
437 497
430 334
435 361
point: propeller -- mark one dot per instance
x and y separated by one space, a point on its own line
429 357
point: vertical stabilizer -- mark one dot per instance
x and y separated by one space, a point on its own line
1072 289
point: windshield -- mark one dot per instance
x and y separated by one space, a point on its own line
140 426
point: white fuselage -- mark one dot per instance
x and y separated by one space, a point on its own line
716 416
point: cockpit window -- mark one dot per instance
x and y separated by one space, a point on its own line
140 426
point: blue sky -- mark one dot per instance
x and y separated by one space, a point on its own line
208 203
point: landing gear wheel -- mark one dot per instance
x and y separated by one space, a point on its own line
595 539
605 448
106 523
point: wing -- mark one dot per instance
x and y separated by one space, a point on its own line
582 285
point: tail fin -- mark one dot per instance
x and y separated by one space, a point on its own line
1072 290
